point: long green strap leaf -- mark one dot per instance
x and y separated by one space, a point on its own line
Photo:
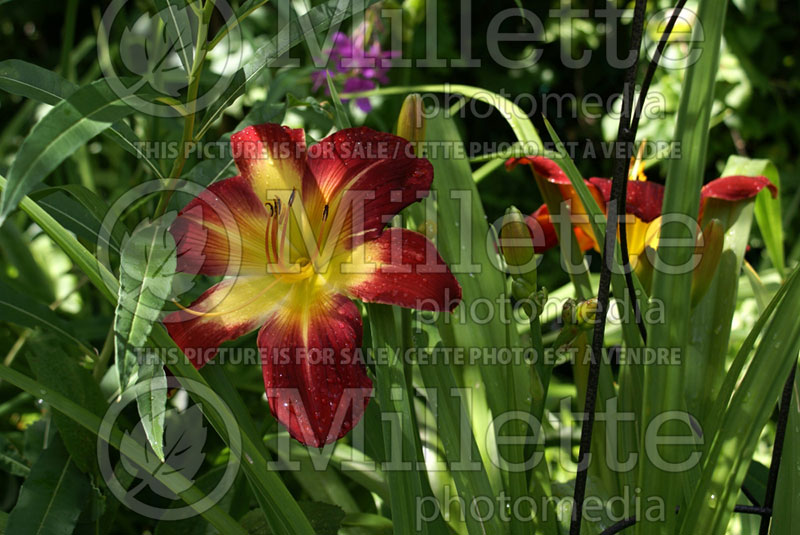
31 81
66 127
663 385
750 406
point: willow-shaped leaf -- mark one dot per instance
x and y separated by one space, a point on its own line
181 26
148 264
68 126
31 81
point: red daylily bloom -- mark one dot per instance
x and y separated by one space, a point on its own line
737 188
298 234
643 201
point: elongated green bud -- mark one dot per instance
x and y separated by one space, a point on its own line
411 122
516 244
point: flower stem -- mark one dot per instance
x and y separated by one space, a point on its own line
201 48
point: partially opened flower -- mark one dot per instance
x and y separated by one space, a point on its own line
298 235
643 212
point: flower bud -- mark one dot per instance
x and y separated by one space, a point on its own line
709 246
411 122
581 314
516 244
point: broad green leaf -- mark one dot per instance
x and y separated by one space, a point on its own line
66 127
52 497
26 79
57 370
19 308
148 263
750 407
31 81
768 210
664 385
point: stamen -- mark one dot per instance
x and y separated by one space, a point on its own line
278 205
268 204
291 197
325 213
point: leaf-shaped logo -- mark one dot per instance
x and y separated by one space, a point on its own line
156 52
184 437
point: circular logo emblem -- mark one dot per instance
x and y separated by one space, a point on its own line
158 54
184 438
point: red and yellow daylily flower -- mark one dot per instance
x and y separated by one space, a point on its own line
643 202
643 214
298 235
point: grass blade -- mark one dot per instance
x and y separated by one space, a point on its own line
663 385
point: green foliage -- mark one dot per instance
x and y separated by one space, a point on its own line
74 337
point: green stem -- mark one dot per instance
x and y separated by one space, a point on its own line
191 104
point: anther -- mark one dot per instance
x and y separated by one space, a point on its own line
325 213
291 197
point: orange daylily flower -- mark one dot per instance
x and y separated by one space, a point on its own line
297 236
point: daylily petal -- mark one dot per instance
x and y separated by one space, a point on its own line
403 268
226 311
737 188
272 158
222 231
544 232
315 385
545 167
375 173
643 198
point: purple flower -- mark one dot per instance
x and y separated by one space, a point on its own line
361 67
359 84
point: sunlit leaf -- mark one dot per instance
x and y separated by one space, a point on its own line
65 128
148 263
